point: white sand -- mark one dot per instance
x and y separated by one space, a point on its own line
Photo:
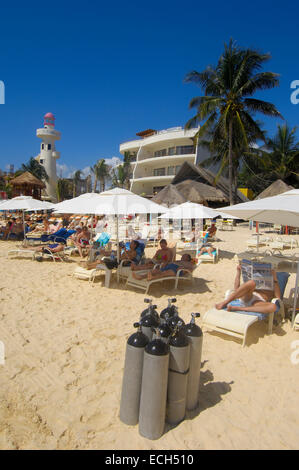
65 343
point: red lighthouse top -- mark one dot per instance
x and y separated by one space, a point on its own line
49 119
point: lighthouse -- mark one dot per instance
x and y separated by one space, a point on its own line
48 153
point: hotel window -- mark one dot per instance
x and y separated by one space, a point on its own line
171 151
49 146
171 170
41 161
177 169
159 172
184 149
43 146
161 153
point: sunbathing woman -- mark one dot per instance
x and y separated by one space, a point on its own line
254 300
163 255
207 249
167 269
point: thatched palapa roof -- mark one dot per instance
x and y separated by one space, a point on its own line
278 187
201 193
27 178
189 171
169 196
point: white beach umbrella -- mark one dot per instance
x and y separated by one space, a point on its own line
190 210
25 203
282 209
83 204
115 201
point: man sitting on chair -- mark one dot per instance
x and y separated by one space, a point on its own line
254 300
166 269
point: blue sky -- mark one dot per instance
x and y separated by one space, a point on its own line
110 69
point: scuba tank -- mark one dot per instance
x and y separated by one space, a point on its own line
154 389
131 385
174 318
148 322
151 310
179 360
169 310
195 337
164 331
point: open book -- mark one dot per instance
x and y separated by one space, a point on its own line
260 273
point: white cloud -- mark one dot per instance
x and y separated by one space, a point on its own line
113 161
67 171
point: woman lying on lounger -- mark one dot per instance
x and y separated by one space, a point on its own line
53 247
254 300
166 269
206 249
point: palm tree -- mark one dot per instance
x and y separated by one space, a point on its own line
219 151
62 189
76 179
119 176
284 153
34 167
101 173
278 161
127 169
227 106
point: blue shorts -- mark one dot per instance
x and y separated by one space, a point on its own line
170 267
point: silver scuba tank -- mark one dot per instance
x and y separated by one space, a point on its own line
154 389
179 359
195 336
132 377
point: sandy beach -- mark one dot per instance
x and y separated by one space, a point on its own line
65 345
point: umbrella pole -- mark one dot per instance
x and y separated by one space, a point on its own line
117 247
257 237
24 241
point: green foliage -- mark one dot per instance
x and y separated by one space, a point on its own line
227 107
34 167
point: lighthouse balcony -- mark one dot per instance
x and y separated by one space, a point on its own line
56 154
46 132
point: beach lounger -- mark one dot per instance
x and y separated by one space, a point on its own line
91 274
206 258
237 323
145 284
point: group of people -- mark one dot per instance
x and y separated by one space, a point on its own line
14 226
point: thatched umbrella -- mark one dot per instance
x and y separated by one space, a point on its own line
169 196
276 188
27 185
200 193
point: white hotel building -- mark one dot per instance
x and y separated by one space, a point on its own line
158 155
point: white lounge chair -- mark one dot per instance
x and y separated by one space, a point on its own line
91 274
206 258
237 323
145 284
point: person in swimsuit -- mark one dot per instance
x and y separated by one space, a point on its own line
163 255
207 249
83 240
253 300
167 269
